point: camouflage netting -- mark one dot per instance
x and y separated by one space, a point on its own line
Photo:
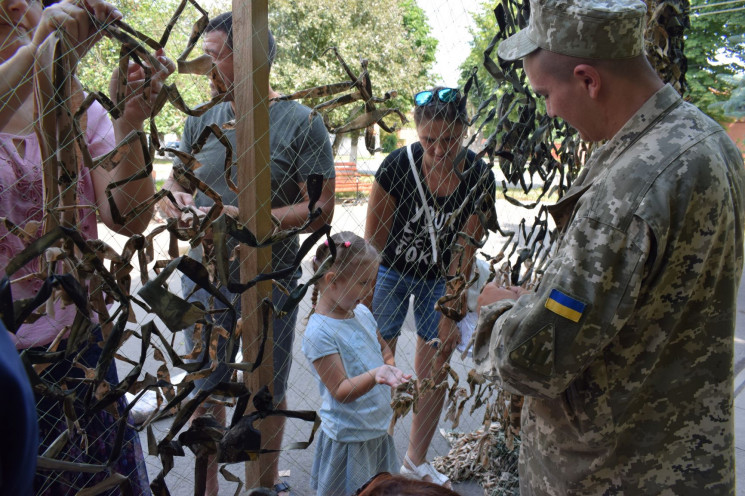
532 151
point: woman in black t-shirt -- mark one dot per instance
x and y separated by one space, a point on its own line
413 217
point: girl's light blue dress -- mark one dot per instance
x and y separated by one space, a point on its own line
353 444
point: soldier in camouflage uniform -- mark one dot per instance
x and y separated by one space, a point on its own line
624 352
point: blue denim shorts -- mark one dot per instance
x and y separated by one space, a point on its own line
391 303
283 328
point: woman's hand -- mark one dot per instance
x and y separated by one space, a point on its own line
75 17
390 375
137 107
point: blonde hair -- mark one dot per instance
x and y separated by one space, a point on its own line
350 250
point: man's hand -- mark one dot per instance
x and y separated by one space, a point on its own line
168 210
493 293
226 209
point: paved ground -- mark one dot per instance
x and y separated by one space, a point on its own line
303 392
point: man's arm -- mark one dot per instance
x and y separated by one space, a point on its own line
295 215
313 155
585 297
183 198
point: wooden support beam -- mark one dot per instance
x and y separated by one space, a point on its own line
251 69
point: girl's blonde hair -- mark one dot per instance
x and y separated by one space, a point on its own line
350 250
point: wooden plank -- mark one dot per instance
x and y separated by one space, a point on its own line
250 28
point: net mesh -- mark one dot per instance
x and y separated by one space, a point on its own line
101 310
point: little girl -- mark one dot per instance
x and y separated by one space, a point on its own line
353 364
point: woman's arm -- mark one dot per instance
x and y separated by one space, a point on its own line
135 193
344 389
380 210
388 356
16 73
448 332
463 262
15 82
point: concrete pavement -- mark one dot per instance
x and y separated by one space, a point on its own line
303 392
739 387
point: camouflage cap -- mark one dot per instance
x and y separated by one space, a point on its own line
596 29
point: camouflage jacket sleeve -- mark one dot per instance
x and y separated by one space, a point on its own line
586 295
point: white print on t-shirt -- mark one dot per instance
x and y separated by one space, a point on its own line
412 243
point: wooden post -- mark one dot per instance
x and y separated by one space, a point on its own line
251 70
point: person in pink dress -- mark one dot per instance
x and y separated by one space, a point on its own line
24 25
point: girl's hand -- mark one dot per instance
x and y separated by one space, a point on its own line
390 375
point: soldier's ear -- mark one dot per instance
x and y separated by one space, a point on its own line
589 78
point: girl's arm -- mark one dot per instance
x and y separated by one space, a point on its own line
344 389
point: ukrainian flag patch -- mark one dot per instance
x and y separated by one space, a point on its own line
565 305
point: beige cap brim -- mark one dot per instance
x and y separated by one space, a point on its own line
516 46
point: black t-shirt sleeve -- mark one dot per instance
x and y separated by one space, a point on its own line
391 174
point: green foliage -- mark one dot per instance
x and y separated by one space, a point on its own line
417 33
388 142
484 30
392 36
733 107
151 18
715 57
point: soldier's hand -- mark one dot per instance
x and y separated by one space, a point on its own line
493 292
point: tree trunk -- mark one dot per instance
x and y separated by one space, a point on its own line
354 136
337 143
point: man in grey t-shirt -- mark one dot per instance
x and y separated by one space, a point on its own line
299 147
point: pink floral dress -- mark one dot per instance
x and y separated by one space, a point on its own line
21 201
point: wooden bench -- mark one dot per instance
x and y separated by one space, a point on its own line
349 180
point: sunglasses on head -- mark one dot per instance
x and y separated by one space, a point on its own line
443 95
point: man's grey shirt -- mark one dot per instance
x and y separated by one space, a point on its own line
298 146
